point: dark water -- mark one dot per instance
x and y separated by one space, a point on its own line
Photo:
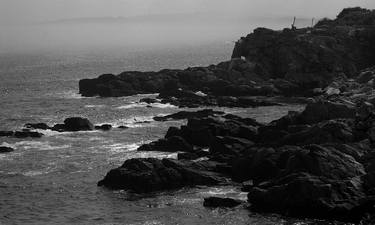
52 180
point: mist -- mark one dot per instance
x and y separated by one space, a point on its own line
70 25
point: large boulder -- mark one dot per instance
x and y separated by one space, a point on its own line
147 175
78 124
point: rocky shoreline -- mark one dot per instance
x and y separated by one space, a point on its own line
318 163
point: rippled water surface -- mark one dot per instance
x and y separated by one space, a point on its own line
52 180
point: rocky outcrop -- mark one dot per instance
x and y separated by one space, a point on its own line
313 57
25 133
188 115
289 62
5 149
72 124
215 202
316 163
147 175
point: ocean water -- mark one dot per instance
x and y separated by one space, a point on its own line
52 180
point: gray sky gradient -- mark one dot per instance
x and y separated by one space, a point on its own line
25 11
184 22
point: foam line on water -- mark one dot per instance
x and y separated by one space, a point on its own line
132 105
40 145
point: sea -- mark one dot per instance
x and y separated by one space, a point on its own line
53 180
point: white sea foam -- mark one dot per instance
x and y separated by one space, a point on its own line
124 147
143 105
132 105
50 133
94 106
137 121
72 94
36 172
38 145
147 95
161 105
120 147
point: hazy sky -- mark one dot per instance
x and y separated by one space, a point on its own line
22 26
21 11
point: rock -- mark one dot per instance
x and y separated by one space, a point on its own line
188 115
147 175
149 100
6 133
259 164
104 127
326 110
187 155
304 195
229 145
4 149
215 202
27 134
171 144
123 127
196 154
78 124
41 126
247 186
332 131
59 127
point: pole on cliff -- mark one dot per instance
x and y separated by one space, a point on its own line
293 25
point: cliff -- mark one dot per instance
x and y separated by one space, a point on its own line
289 62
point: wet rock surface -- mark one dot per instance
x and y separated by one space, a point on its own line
147 175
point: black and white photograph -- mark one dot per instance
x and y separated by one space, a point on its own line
187 112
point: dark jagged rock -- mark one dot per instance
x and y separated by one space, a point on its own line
317 163
171 144
305 195
21 134
78 124
6 133
104 127
149 100
147 175
192 155
74 124
27 134
4 149
215 202
41 126
188 115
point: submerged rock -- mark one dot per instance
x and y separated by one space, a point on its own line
4 149
27 134
6 133
104 127
221 202
41 126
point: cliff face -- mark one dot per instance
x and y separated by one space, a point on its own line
312 57
289 62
